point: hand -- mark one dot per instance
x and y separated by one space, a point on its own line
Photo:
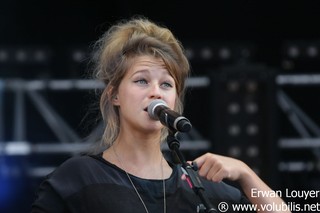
216 167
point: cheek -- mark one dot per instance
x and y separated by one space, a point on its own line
172 101
129 97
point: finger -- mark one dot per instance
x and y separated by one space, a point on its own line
205 168
200 160
220 175
215 168
203 159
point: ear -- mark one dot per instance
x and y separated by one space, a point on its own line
111 97
115 100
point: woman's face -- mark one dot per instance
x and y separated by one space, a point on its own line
146 80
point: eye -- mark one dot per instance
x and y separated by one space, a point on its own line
141 81
167 84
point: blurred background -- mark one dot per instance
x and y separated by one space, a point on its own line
253 93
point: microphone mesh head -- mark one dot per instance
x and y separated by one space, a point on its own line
153 105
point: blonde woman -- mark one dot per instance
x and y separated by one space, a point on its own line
140 61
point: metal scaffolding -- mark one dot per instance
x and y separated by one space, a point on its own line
69 142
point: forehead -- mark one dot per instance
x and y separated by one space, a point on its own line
147 64
147 61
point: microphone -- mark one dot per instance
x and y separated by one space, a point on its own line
159 110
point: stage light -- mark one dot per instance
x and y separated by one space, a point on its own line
39 56
251 107
206 53
78 56
293 51
233 86
253 151
235 151
225 53
252 129
251 86
209 54
189 53
4 56
234 130
243 120
312 51
234 108
21 56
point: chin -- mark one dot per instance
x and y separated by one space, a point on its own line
154 127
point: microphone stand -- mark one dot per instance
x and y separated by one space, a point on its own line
191 175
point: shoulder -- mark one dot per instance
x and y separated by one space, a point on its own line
73 165
78 162
73 174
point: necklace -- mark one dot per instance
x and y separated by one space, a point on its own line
135 189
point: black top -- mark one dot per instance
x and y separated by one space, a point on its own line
91 184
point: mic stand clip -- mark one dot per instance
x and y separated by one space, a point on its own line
189 171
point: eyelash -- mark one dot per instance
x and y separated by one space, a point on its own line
167 84
140 80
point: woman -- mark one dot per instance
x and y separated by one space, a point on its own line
139 62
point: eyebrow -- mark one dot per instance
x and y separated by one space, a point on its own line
140 71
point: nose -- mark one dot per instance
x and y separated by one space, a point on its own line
155 92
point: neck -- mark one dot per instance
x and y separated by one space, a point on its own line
139 149
140 155
126 133
139 167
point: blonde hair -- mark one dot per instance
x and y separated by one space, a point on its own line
113 56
